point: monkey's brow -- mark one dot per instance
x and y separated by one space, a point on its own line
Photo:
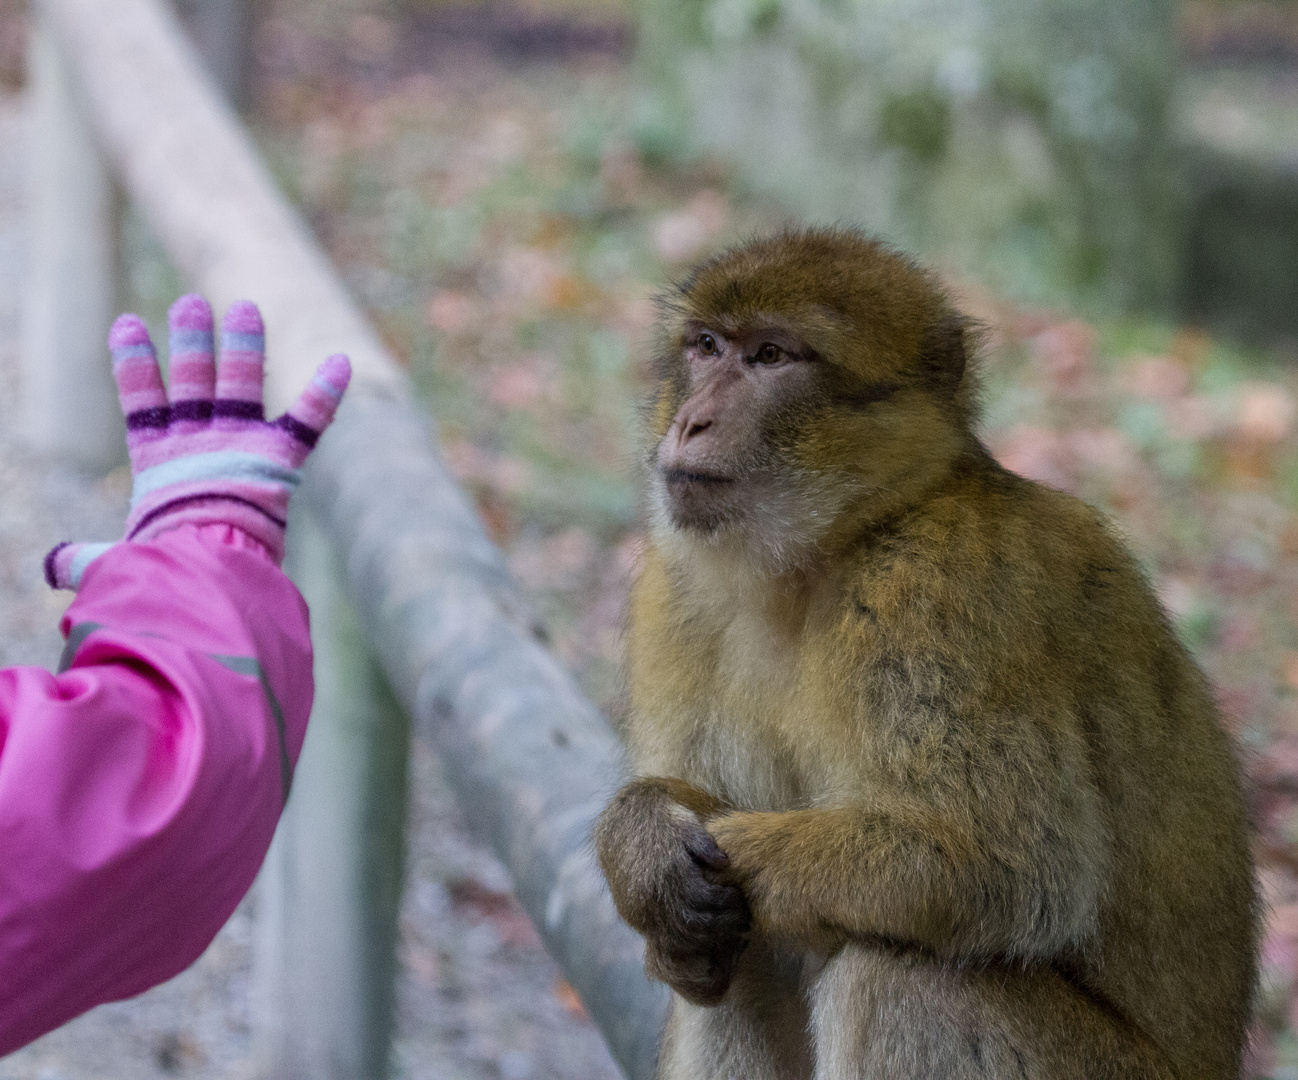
721 328
731 327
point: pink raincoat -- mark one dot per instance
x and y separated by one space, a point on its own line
139 789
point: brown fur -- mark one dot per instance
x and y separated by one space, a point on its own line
973 808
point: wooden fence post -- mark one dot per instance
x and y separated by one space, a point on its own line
222 31
329 892
69 403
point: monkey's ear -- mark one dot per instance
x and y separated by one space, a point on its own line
946 351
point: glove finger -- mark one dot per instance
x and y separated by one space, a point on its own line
193 367
315 407
139 382
241 370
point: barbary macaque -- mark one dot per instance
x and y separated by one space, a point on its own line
926 787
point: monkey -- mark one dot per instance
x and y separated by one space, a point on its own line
924 784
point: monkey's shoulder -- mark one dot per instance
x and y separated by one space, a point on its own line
994 552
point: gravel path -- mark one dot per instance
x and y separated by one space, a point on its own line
478 997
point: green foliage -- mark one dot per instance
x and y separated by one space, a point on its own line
1026 141
731 20
1198 628
660 132
918 121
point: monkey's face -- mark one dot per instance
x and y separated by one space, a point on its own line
807 380
719 456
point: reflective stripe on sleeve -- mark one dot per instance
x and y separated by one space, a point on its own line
250 665
76 638
240 665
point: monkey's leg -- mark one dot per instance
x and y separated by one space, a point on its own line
758 1032
894 1015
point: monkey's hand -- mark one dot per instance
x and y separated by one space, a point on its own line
791 892
669 881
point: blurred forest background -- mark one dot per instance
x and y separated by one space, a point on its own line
1111 186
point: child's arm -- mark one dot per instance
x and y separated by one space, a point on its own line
139 790
140 787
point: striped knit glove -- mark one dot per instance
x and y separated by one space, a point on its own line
208 456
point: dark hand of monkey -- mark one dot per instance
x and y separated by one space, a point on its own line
668 879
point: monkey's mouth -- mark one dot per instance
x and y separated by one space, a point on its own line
684 477
698 500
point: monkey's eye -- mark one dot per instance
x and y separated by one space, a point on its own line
707 345
770 353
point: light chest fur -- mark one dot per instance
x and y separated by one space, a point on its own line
728 688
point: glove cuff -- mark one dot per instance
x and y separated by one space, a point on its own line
66 563
264 525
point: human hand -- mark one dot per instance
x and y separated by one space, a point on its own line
208 455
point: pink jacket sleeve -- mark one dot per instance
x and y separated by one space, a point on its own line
139 789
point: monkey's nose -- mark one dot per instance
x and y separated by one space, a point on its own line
682 448
690 428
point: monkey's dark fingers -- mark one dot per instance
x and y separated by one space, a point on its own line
714 920
699 887
709 919
704 850
716 899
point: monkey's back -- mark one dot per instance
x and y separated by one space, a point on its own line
1040 614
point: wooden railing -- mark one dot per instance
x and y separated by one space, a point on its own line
407 592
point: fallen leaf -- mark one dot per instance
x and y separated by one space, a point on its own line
1066 352
1159 377
452 312
570 1000
1264 412
682 235
1036 453
524 385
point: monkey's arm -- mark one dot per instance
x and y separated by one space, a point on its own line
1026 887
667 877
